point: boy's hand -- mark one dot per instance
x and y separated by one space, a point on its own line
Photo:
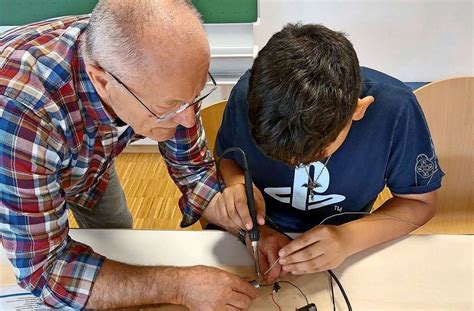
230 210
319 249
269 244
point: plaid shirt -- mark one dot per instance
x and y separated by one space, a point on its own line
57 144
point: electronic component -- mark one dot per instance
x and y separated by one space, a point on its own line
309 307
276 287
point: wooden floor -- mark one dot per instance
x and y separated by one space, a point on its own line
153 198
151 194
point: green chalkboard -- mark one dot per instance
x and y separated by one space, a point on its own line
18 12
228 11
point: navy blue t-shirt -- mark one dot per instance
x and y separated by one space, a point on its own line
391 145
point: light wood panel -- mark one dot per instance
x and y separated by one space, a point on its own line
449 109
382 198
211 120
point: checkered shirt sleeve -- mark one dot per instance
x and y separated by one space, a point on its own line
34 213
192 168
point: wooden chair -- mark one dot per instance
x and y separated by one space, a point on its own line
211 119
448 106
449 109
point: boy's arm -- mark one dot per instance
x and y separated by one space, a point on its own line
372 230
325 247
231 172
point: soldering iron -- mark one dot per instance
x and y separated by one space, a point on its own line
254 233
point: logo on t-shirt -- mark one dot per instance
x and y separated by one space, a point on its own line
299 195
425 167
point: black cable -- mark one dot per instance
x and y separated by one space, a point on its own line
341 288
218 163
332 293
306 298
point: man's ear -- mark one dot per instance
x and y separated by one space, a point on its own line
362 105
99 79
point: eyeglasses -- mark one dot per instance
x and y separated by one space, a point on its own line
183 106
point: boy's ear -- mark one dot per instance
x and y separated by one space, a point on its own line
362 105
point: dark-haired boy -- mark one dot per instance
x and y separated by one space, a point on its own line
323 137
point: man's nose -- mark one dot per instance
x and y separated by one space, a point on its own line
187 118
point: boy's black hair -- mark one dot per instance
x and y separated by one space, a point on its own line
303 91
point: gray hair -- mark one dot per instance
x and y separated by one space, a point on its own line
116 28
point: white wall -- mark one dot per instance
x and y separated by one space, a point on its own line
413 40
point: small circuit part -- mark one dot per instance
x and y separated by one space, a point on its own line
255 284
276 287
310 307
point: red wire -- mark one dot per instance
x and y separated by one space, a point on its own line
276 304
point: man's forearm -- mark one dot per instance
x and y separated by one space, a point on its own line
373 230
121 285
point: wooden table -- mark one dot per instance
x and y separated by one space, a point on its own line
429 272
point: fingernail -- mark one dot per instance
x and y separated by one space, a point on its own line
286 268
282 261
248 226
281 253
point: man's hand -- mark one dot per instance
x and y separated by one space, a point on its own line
230 210
207 288
319 249
269 244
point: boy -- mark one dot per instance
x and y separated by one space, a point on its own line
323 137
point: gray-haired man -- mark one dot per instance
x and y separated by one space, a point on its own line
66 85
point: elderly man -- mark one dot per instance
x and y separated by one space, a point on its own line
66 87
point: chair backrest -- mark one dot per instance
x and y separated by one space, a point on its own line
448 106
211 120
